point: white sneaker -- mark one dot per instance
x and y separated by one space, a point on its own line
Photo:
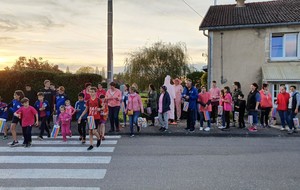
282 129
207 129
201 128
221 127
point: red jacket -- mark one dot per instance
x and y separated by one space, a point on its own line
266 99
283 101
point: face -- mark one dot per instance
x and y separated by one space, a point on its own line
252 87
203 89
67 102
80 98
225 90
60 91
28 88
62 110
99 86
41 98
47 84
16 97
239 97
112 87
52 87
131 91
214 84
92 93
292 89
282 89
25 104
188 84
161 90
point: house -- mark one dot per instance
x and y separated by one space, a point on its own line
254 42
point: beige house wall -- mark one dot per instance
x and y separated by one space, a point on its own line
244 52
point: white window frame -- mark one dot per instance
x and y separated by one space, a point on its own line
284 58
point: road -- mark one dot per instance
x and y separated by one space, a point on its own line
147 162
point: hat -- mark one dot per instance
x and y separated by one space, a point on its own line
164 87
177 80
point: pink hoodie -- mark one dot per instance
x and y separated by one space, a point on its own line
266 99
64 119
227 105
135 102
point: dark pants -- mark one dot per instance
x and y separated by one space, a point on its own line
191 120
242 120
291 116
234 110
283 118
214 112
202 119
153 115
44 126
113 113
264 117
27 134
82 129
227 118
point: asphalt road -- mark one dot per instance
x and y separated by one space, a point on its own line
147 162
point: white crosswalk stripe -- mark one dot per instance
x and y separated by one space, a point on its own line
41 156
77 137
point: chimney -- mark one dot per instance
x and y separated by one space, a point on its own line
240 3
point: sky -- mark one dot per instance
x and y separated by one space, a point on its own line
74 32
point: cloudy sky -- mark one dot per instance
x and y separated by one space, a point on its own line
73 32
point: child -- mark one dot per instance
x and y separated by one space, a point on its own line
64 119
227 99
60 99
13 107
241 108
70 110
28 115
43 108
93 109
103 117
80 107
3 115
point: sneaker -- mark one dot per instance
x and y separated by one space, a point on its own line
186 128
80 138
14 143
132 135
282 129
138 129
207 129
48 136
173 123
82 142
252 129
26 146
98 142
103 138
221 127
201 128
40 138
118 130
192 130
5 137
163 129
290 131
295 131
90 147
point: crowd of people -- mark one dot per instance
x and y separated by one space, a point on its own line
163 108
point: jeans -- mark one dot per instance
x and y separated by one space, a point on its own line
44 126
113 113
255 116
264 118
163 119
283 118
291 115
82 129
191 119
202 120
124 118
27 134
133 120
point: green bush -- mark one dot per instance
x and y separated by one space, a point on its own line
16 80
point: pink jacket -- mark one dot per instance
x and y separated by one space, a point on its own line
204 98
227 105
266 99
113 98
215 94
70 110
64 119
134 102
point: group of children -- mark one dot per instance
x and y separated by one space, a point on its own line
29 116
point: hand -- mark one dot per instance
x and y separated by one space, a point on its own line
5 109
296 110
79 120
187 97
36 123
98 109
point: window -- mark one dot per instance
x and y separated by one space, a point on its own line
285 46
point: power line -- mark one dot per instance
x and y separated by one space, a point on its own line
192 8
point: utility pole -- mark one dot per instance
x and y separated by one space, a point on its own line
110 42
215 2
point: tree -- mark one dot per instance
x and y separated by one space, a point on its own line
33 63
87 69
204 79
195 77
152 64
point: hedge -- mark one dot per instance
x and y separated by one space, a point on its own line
16 80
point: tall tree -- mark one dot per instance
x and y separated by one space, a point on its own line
87 69
152 64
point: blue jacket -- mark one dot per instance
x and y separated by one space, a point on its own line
45 104
166 102
14 106
3 114
193 96
80 105
60 99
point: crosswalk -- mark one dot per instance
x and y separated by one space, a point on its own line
53 164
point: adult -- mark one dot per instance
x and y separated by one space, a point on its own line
163 108
125 102
86 91
60 99
266 105
152 103
100 90
30 94
293 108
215 99
135 105
178 91
253 102
235 94
190 95
113 97
282 106
171 91
49 95
204 99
